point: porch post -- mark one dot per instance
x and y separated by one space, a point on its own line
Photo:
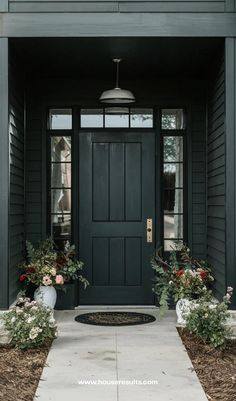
4 173
230 137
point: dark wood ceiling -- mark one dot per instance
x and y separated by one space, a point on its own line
91 57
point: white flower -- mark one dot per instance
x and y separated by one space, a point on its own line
13 319
19 310
47 280
191 272
170 282
53 271
34 307
34 332
30 319
51 322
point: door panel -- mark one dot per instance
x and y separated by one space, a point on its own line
116 196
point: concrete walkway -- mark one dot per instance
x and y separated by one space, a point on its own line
147 352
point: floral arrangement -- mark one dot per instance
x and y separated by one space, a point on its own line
29 324
181 276
46 266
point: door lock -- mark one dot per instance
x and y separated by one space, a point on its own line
149 230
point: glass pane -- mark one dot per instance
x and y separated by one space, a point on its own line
173 226
141 118
173 201
91 118
172 119
61 225
173 148
60 119
61 149
61 175
61 243
116 120
170 245
61 201
173 175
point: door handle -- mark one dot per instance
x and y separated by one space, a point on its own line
149 230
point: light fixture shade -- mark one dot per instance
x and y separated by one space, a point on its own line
111 110
117 96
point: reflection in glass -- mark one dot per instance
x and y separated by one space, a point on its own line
91 118
172 119
170 245
173 148
173 200
60 119
173 175
61 175
141 118
116 120
60 201
61 243
173 226
61 149
61 225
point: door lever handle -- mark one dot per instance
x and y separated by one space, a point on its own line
149 230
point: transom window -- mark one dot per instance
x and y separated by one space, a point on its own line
172 119
116 117
60 119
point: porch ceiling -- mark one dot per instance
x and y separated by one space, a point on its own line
91 57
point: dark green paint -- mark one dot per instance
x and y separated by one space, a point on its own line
116 196
4 175
230 125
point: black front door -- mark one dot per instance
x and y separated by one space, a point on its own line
116 197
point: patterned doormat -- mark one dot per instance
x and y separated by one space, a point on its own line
115 318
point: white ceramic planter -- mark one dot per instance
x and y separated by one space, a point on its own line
183 308
46 295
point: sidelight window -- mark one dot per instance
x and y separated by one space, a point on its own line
173 183
60 189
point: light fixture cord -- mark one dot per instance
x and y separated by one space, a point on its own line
117 74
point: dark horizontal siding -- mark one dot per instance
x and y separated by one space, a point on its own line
216 248
198 129
33 178
122 6
16 133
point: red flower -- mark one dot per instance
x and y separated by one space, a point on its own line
30 270
61 260
23 277
203 274
179 273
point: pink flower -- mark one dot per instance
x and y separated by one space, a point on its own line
59 279
47 280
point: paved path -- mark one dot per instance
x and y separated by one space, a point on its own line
149 352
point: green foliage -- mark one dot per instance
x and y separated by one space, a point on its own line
29 324
207 321
180 276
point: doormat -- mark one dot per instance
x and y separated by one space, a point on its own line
115 318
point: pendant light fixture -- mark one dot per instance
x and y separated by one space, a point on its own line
117 95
